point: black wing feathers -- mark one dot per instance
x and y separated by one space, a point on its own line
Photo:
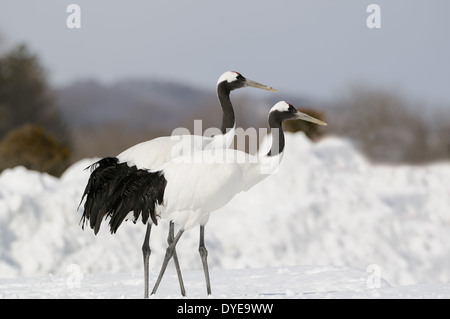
114 190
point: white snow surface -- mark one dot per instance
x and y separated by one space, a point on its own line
324 225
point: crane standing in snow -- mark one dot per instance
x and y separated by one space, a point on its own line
116 178
186 193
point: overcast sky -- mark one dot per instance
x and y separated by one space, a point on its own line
314 48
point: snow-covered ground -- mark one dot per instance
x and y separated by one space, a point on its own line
327 224
263 283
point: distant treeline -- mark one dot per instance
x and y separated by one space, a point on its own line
47 129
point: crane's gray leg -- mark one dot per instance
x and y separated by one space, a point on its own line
204 255
169 254
170 240
146 252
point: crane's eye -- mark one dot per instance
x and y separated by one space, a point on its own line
239 76
291 108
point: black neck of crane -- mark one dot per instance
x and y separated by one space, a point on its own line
277 134
228 119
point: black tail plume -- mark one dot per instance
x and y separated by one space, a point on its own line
115 189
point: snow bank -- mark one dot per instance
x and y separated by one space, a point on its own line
326 205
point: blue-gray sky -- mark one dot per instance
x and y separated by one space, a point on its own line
314 48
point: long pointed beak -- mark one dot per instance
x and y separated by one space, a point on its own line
260 86
308 118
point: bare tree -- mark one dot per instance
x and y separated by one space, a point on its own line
25 96
26 99
385 126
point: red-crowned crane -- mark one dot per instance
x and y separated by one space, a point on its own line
116 178
186 192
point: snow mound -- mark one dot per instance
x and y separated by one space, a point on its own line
326 205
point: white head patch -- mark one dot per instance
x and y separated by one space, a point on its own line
228 76
281 106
